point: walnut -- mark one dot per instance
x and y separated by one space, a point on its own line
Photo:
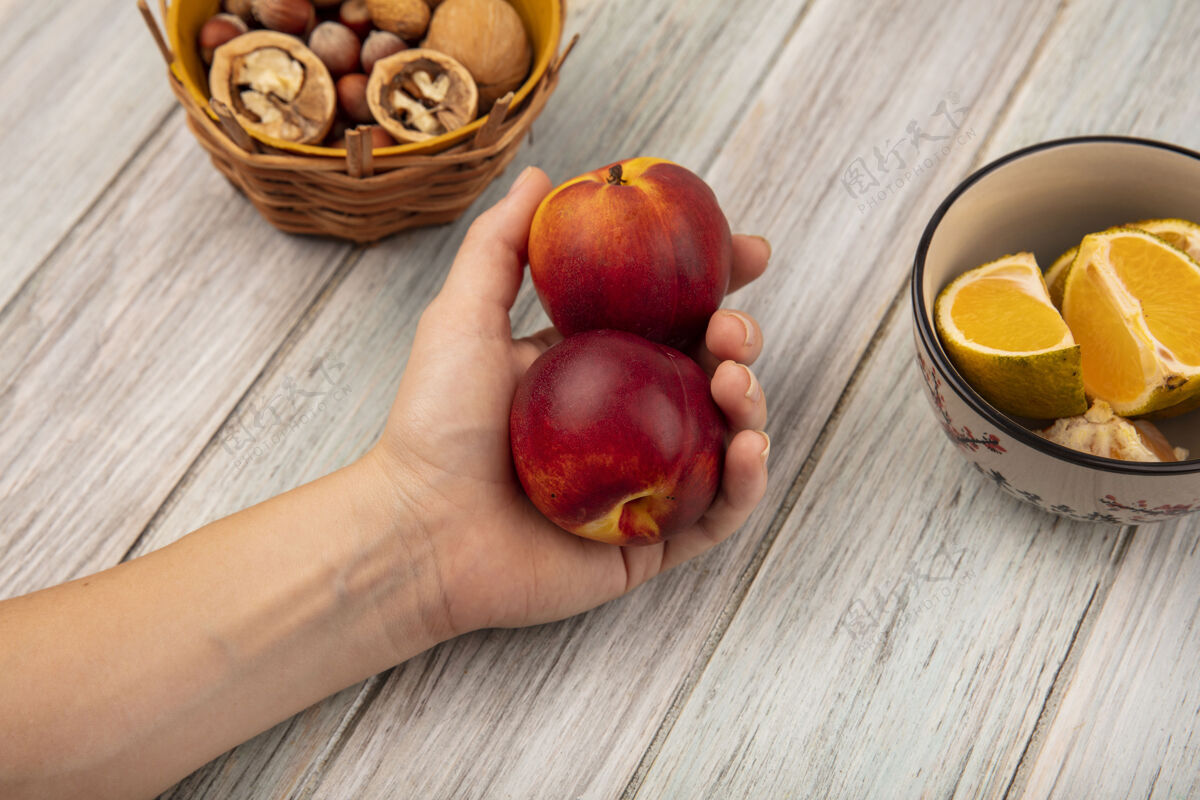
405 18
418 94
275 86
487 36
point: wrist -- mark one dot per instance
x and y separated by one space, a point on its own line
396 563
217 636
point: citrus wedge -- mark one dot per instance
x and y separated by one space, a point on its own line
1007 339
1056 276
1179 233
1133 303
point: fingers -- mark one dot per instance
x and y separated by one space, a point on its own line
750 257
487 270
731 336
739 395
743 484
527 350
735 335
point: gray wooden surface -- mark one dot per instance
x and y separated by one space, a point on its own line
146 310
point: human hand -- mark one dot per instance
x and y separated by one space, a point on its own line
445 449
257 615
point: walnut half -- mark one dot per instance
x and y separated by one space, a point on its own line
275 86
418 94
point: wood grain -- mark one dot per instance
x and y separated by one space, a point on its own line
1131 678
367 319
83 88
1110 67
127 349
629 660
902 634
1127 724
153 325
813 721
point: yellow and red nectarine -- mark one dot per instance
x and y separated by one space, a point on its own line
616 438
639 246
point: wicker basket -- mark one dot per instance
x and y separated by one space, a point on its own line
357 193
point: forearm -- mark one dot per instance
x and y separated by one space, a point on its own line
121 683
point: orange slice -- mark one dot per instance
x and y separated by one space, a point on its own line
1132 302
1009 342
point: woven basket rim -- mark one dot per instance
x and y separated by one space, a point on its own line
503 134
359 194
546 58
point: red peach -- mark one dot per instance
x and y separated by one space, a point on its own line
616 438
639 246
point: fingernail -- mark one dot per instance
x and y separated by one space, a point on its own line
766 451
754 392
746 323
763 239
524 176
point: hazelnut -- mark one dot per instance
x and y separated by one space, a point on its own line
379 138
336 45
352 97
240 8
217 31
337 132
380 44
286 16
487 36
354 15
418 94
405 18
275 86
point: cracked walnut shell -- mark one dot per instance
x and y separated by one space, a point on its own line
275 86
418 94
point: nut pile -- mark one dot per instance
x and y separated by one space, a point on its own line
305 71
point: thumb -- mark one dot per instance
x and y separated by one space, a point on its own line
487 270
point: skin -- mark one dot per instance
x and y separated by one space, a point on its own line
121 683
617 438
640 246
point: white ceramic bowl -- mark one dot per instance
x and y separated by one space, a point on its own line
1044 199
